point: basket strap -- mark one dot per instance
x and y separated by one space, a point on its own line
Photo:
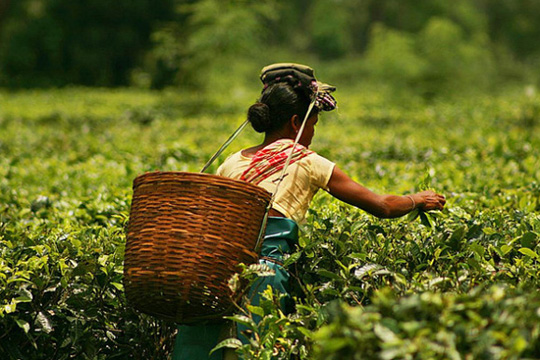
283 172
225 145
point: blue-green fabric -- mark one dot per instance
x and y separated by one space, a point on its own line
280 238
194 342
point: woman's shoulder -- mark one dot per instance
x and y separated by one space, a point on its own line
320 169
234 157
316 158
232 162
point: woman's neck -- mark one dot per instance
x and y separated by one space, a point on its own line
268 139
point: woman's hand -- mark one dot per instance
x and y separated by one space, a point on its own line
429 200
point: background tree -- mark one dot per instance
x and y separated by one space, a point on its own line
440 46
91 42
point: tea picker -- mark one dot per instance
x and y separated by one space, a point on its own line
188 232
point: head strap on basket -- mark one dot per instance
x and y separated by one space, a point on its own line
300 77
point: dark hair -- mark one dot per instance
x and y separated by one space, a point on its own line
278 104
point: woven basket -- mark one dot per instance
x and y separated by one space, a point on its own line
186 235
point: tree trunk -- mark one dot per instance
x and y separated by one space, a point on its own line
4 6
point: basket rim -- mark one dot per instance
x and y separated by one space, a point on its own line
185 175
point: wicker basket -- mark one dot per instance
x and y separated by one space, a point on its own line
187 233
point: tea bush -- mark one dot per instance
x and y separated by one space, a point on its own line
461 283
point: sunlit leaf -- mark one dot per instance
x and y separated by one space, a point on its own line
231 343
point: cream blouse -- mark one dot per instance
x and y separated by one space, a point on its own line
302 180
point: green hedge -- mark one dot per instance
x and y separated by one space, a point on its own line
458 283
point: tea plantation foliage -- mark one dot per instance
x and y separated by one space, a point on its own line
459 284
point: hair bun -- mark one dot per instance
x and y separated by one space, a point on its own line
259 117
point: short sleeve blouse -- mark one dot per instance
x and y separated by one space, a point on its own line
301 182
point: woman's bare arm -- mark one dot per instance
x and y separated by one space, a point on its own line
384 206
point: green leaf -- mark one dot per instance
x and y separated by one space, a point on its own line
329 274
334 344
293 258
478 249
366 269
528 252
427 219
22 299
44 322
11 307
342 266
528 240
306 332
244 320
412 215
234 282
505 249
261 270
489 231
119 286
457 236
257 310
231 343
355 255
23 325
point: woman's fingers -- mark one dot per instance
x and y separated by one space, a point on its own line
442 200
434 201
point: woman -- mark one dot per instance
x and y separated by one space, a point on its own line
289 89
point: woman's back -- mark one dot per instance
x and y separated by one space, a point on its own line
306 174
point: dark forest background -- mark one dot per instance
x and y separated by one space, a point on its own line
430 46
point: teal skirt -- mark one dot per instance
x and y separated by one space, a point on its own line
194 342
